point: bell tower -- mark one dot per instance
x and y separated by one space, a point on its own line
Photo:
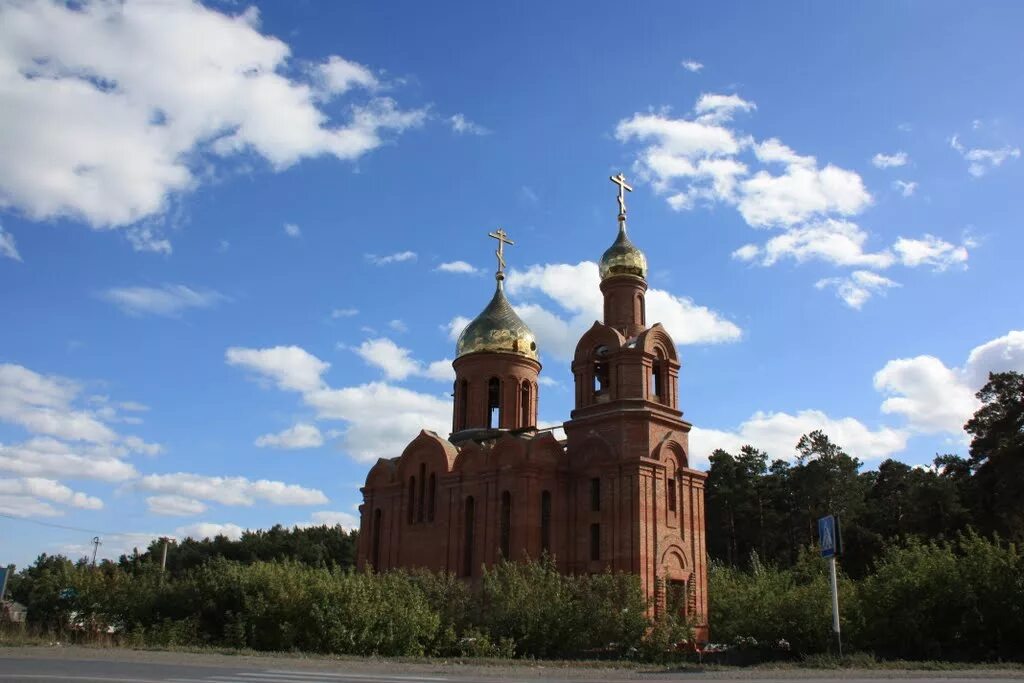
496 366
623 271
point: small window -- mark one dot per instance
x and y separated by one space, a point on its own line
526 418
411 501
595 542
431 497
467 547
493 403
545 521
657 376
670 484
505 530
595 494
375 552
463 403
423 497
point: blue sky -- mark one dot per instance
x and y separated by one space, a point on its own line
236 242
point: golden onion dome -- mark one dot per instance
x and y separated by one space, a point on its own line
498 329
623 258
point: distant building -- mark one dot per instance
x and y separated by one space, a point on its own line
617 492
12 612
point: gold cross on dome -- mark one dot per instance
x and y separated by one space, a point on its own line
620 180
503 239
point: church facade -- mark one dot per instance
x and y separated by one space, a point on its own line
616 493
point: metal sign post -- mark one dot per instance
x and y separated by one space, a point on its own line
5 573
828 539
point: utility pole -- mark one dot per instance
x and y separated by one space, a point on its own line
163 562
95 548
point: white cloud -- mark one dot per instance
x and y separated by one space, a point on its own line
802 192
398 257
441 370
338 76
834 241
980 161
230 490
856 288
463 126
692 65
458 267
344 312
292 230
26 506
716 108
396 362
175 506
50 490
934 398
301 435
44 457
381 418
292 368
906 187
147 238
8 249
896 160
346 520
575 288
203 530
931 251
109 108
456 325
778 434
398 326
169 300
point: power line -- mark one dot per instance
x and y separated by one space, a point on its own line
64 526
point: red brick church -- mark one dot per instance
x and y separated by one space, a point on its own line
617 492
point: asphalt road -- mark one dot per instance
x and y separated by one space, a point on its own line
40 665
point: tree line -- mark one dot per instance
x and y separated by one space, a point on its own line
771 507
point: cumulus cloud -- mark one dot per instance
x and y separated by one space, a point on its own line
109 108
896 160
203 530
380 418
292 368
169 300
835 241
230 490
8 249
46 457
692 65
458 267
175 506
907 188
777 433
575 290
716 108
397 257
934 398
931 251
292 230
346 520
301 435
49 490
463 126
980 160
857 288
396 362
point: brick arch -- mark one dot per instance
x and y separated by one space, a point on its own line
671 447
439 454
598 335
673 563
382 473
655 339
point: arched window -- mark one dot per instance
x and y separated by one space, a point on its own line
463 403
411 500
375 551
467 546
641 314
423 485
600 370
657 384
545 521
524 405
431 497
670 484
493 403
678 485
505 529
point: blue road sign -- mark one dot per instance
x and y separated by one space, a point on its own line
4 573
827 536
